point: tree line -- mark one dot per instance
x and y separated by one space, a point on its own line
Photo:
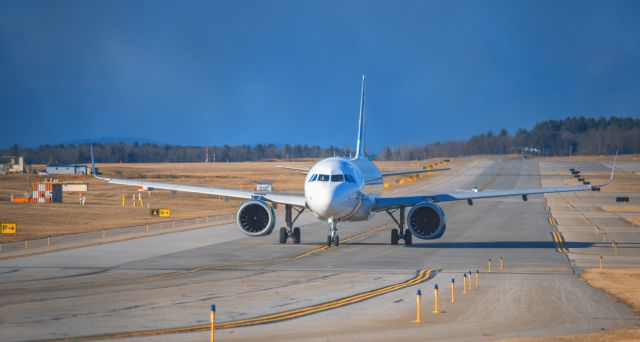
574 135
153 153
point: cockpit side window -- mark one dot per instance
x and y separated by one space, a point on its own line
337 178
323 178
313 178
348 178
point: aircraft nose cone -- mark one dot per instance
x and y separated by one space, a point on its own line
334 202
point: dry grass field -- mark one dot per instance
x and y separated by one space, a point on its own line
103 208
620 283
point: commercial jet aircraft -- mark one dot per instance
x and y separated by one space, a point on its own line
340 190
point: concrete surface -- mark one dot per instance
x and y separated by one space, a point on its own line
171 280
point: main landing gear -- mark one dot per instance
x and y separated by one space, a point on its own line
290 231
333 237
400 233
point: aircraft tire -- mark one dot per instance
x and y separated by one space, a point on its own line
337 241
408 238
283 235
296 235
394 236
329 240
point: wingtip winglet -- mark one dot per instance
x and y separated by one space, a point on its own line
613 170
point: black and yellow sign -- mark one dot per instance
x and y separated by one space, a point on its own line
163 212
8 228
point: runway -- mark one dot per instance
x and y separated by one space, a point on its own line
143 287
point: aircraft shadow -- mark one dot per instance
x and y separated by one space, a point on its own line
487 244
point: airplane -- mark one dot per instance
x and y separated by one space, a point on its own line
338 190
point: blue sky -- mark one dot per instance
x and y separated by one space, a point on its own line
246 72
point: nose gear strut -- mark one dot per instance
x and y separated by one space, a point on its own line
333 237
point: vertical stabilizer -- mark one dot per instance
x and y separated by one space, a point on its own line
360 150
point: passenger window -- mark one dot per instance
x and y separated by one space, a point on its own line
337 178
323 178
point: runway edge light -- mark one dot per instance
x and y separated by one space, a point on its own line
213 322
418 297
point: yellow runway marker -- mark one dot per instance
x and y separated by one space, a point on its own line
420 277
559 241
267 262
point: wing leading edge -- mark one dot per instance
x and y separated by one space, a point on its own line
295 200
395 202
411 172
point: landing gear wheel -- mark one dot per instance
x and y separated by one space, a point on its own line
283 235
394 236
337 241
296 235
408 238
328 240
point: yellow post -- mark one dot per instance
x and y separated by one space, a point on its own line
470 281
500 263
477 273
146 228
26 244
600 262
48 240
213 322
123 201
134 203
453 290
489 265
418 298
464 284
435 303
207 219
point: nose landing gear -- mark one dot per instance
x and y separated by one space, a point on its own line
290 231
333 237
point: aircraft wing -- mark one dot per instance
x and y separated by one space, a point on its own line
395 202
384 203
303 169
296 200
411 172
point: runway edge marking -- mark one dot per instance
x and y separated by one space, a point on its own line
421 276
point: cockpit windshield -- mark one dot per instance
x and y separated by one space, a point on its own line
323 178
333 178
337 178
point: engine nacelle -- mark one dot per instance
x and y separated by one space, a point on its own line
426 221
256 218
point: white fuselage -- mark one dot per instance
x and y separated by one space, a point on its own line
342 189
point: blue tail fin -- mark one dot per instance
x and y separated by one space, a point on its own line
360 150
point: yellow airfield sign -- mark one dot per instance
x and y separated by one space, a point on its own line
8 228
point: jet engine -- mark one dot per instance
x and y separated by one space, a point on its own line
256 218
426 221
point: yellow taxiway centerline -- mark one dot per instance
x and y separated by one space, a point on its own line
421 276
